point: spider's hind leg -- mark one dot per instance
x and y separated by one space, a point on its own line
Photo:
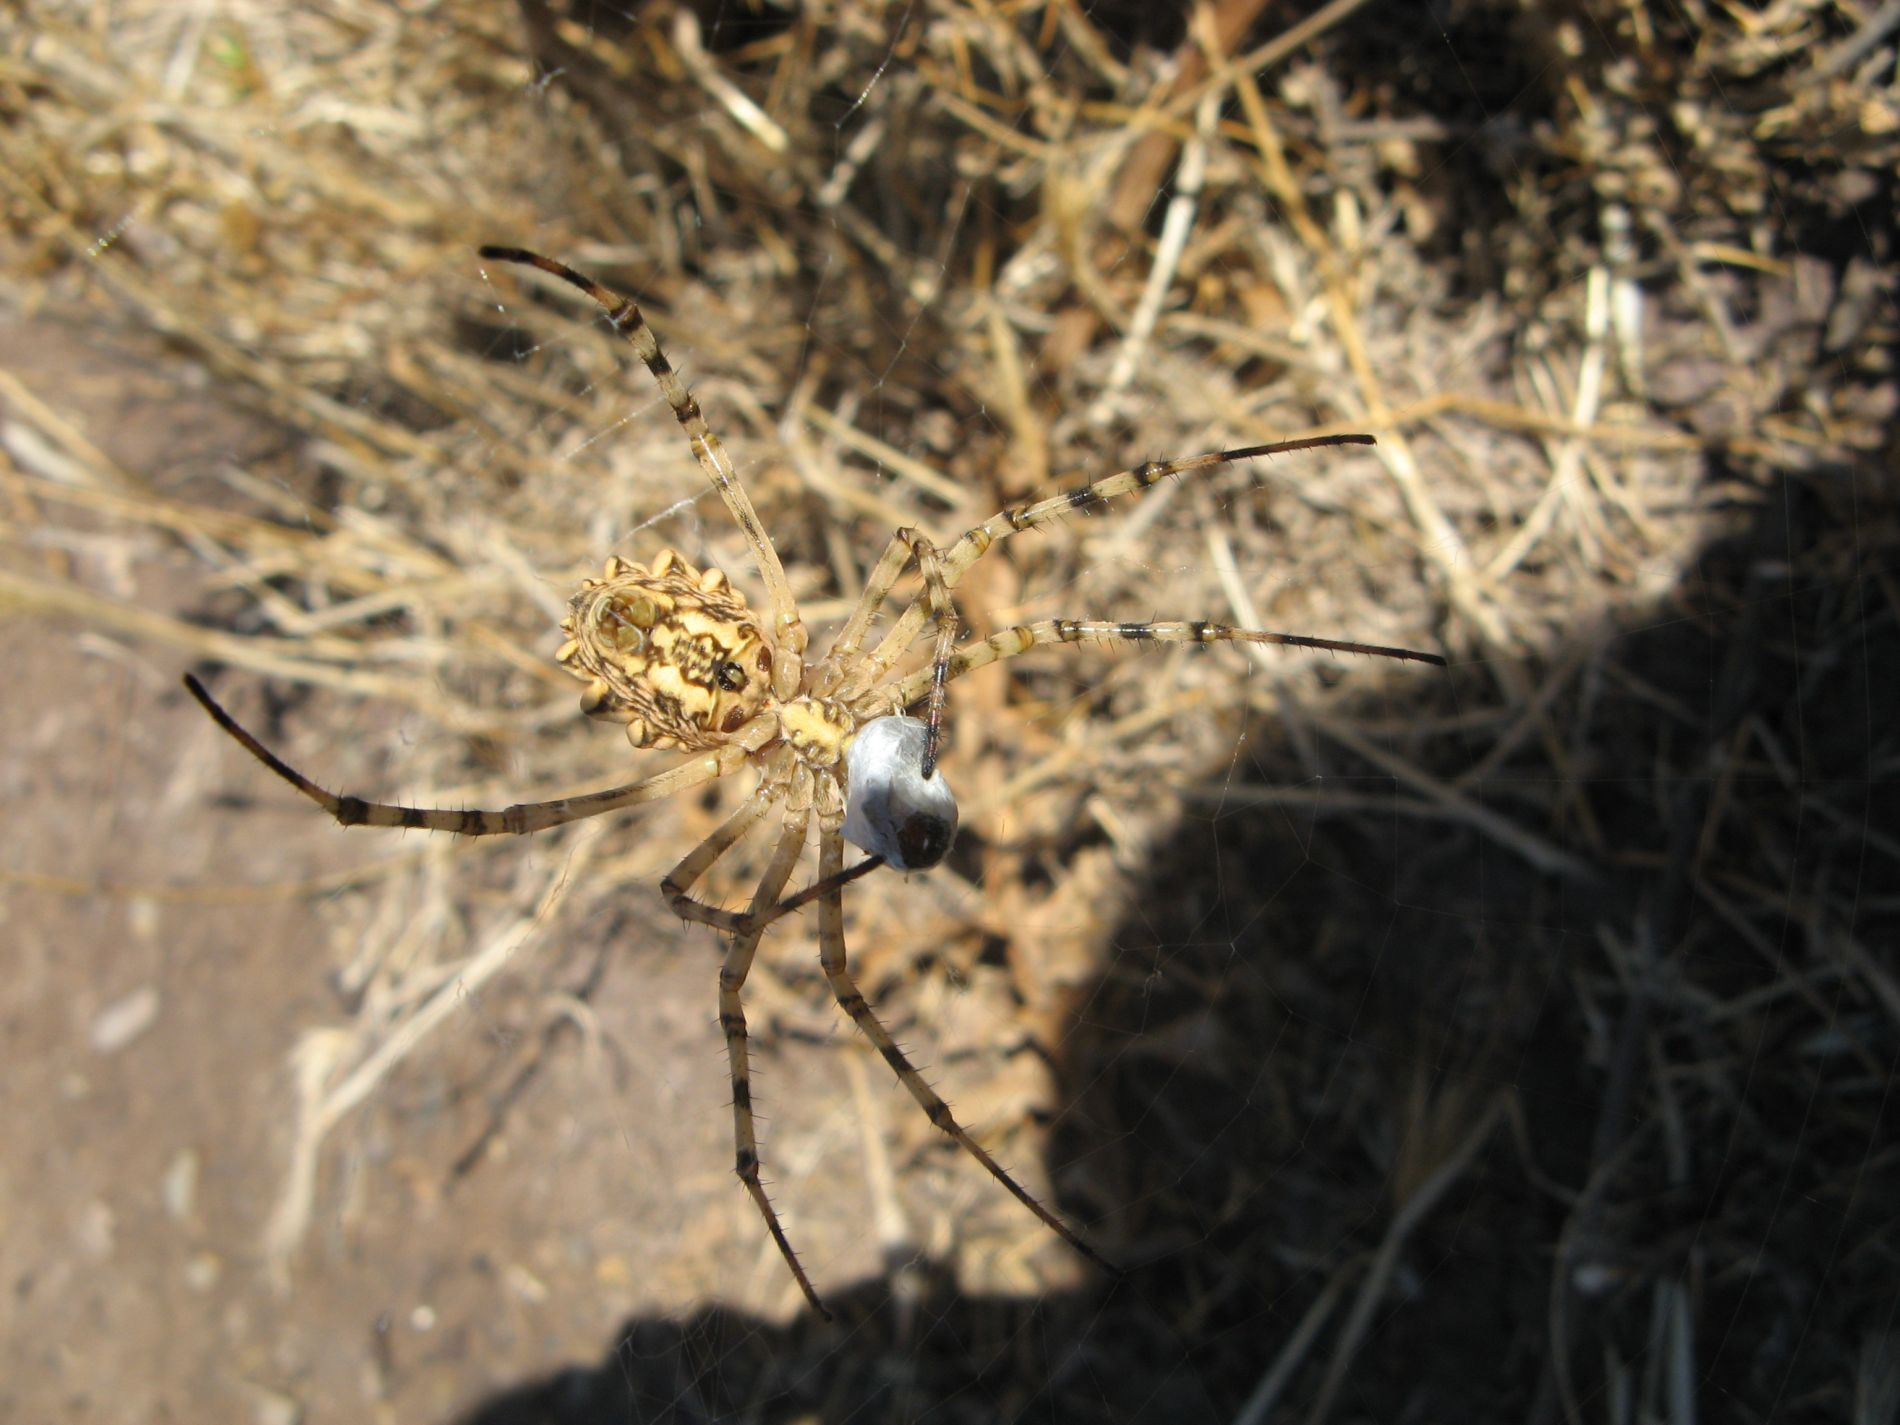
791 785
732 977
832 959
678 883
517 820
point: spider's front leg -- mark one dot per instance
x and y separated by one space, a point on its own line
623 314
837 676
1010 642
954 563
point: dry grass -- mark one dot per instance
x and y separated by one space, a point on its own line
1513 1042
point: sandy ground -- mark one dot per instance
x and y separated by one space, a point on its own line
150 1007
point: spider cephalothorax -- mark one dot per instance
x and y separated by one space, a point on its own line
680 658
675 654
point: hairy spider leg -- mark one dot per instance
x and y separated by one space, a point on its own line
1009 642
732 977
832 959
677 884
517 820
847 676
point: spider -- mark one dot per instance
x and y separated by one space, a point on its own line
679 657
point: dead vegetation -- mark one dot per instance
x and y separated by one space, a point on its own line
1512 1044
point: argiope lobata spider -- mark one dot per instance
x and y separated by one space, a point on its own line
678 656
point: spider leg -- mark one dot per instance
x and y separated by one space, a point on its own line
517 820
905 545
732 977
623 314
877 588
831 959
679 882
1025 636
977 541
825 885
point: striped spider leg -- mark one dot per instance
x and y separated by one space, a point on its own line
847 674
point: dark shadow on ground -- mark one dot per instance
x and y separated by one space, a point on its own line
1643 1111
